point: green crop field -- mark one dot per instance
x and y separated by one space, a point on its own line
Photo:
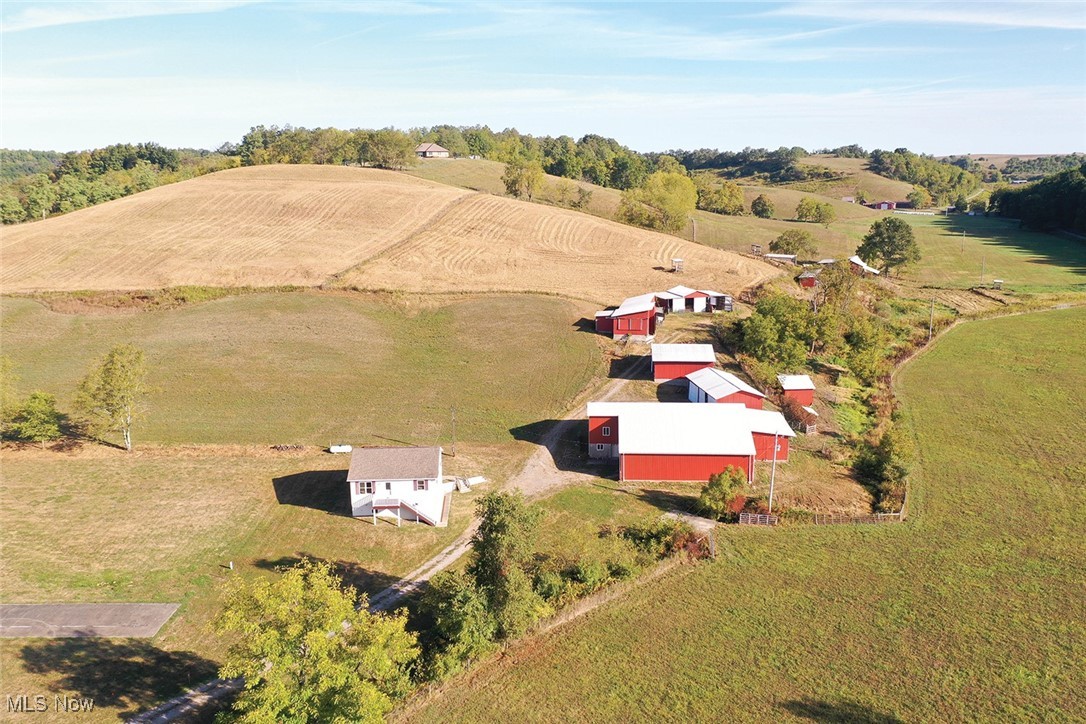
309 368
972 610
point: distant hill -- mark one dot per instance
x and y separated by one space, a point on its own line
381 230
17 163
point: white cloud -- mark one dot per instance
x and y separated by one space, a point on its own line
1053 14
29 17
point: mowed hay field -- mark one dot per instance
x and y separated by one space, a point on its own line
303 225
259 226
318 368
972 610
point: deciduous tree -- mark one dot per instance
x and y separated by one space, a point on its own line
762 207
522 178
114 394
890 244
664 202
721 491
310 650
37 420
794 241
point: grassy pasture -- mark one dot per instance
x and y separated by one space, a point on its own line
315 368
855 176
973 610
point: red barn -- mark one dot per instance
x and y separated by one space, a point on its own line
671 441
685 299
809 278
766 428
713 385
673 361
635 317
886 205
797 387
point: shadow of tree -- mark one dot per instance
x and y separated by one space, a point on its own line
128 674
1044 248
324 490
838 712
669 500
366 580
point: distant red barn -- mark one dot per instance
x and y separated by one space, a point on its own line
797 387
674 361
635 317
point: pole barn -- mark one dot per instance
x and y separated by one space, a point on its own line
713 385
675 361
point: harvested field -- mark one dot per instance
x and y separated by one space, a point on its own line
261 226
490 243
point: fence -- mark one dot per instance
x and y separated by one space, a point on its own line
830 519
757 519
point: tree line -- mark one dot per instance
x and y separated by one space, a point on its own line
1056 202
78 179
945 182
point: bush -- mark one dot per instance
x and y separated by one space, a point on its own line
659 538
718 497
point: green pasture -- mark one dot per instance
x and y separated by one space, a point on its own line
974 609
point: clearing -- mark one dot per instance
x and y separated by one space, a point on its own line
972 610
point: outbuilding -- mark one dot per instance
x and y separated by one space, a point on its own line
400 483
675 361
809 278
886 205
712 385
635 317
797 387
685 299
859 266
768 428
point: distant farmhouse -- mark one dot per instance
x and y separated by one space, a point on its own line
431 150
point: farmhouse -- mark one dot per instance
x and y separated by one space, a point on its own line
674 361
673 441
859 266
713 385
635 317
402 483
797 387
431 150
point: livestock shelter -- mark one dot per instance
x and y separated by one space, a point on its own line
674 361
809 278
797 387
671 441
859 266
431 150
636 317
712 385
401 483
685 299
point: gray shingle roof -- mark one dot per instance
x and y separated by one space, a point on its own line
394 463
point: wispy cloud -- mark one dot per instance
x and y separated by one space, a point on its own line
17 17
1054 14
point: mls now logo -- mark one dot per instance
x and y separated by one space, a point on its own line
30 704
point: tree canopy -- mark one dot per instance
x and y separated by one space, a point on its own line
114 393
522 178
725 197
794 241
819 212
889 244
665 202
762 207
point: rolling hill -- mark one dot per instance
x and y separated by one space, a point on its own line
308 225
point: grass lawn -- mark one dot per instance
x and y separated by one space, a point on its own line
312 368
973 610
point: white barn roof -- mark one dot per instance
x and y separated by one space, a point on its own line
718 383
681 428
855 259
682 291
795 382
683 353
632 305
768 421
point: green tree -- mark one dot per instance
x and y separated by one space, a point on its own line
37 420
825 214
779 332
462 625
861 196
669 164
919 198
502 547
889 243
310 650
762 207
726 198
721 491
388 148
794 241
8 382
809 209
522 178
113 395
665 202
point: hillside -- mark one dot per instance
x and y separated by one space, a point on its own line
853 176
278 225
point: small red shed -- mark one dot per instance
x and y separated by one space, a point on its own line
674 361
809 278
859 266
797 387
713 385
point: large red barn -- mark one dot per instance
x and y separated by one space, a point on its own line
713 385
674 361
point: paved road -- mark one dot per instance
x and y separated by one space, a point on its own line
74 620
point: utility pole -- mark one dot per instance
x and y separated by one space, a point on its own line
963 241
931 319
982 270
773 473
452 413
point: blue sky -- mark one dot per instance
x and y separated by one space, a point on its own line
995 77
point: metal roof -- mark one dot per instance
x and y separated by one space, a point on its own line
682 428
682 291
718 383
430 148
795 382
855 259
711 293
683 353
768 421
632 305
394 463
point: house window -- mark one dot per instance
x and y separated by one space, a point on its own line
422 485
606 431
599 447
365 487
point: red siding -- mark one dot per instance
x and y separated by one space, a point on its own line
681 468
763 447
637 324
664 371
605 325
595 430
752 401
803 397
808 282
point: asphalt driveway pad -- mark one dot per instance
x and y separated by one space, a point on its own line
74 620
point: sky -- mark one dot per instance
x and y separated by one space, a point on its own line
938 77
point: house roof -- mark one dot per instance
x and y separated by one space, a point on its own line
682 428
795 382
683 353
394 463
430 148
855 259
719 384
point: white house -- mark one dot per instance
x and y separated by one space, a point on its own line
401 483
431 150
